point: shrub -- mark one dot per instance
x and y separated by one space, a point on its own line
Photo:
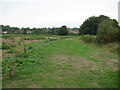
5 46
88 38
34 38
107 31
12 45
12 38
52 39
11 50
25 52
6 36
9 66
63 30
90 25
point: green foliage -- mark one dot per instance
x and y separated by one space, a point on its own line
6 36
5 46
34 38
24 30
12 38
54 31
4 28
88 38
13 45
25 52
63 30
67 55
9 66
11 50
118 34
9 29
39 31
108 31
91 24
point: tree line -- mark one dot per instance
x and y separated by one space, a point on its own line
105 28
63 30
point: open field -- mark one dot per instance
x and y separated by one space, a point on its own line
60 62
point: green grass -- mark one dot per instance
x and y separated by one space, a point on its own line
65 63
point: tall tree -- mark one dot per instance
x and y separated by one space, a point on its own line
24 30
63 30
6 28
54 31
108 31
90 25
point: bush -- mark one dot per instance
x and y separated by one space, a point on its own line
9 66
108 32
88 38
63 30
5 46
6 36
34 38
11 50
90 25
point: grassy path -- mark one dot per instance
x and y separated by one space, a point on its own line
67 63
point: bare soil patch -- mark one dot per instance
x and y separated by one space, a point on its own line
31 41
76 62
111 62
52 37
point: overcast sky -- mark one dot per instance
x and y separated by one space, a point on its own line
49 13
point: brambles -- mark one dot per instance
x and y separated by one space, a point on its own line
12 50
6 36
25 53
34 38
88 38
107 32
5 46
21 41
9 66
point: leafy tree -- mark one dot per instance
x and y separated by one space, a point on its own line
54 31
91 24
24 30
108 31
15 29
63 30
44 30
37 31
102 18
10 29
6 28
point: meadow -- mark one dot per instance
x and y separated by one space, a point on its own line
52 61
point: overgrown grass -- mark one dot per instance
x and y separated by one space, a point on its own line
63 63
88 38
6 46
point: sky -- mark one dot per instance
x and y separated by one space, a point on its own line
54 13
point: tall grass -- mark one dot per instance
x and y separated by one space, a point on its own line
88 38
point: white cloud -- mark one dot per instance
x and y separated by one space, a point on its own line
48 13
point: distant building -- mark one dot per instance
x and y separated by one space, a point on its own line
29 32
119 13
74 31
16 32
5 32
